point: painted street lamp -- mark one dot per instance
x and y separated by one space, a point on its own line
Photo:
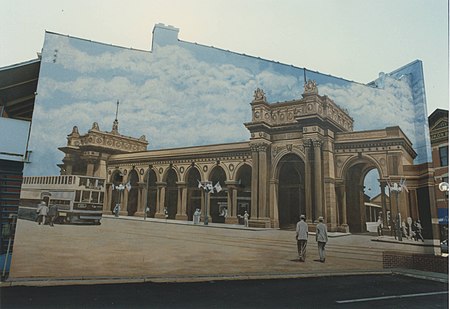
397 188
207 189
119 188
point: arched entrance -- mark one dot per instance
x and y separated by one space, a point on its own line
132 202
244 191
194 193
171 194
355 198
218 200
150 183
291 190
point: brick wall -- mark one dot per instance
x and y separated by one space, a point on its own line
425 262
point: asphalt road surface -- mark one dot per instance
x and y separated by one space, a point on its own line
375 291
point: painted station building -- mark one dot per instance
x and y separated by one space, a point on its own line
303 157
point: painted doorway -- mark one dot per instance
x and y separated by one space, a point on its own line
291 190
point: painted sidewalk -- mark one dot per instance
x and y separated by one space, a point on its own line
129 249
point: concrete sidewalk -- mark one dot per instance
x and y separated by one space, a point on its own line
129 249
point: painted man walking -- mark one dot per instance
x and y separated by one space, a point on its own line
321 238
301 234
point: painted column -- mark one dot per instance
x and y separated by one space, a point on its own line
231 202
235 202
140 200
160 199
329 180
255 178
90 167
181 204
342 207
308 175
100 170
275 222
318 178
108 199
262 182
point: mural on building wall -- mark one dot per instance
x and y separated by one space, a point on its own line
185 94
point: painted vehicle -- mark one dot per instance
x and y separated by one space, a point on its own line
79 198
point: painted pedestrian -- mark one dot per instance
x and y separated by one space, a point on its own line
321 238
42 212
196 216
380 226
246 216
301 234
117 210
418 231
52 214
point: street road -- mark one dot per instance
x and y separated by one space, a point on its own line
375 291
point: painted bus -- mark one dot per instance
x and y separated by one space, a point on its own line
78 198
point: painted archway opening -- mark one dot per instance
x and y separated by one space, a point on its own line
218 200
291 190
150 184
116 179
194 193
373 198
132 201
244 192
356 199
171 194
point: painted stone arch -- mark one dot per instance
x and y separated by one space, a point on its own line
169 169
290 173
171 197
207 169
218 200
353 175
189 169
343 164
150 180
244 190
115 179
194 193
133 192
275 166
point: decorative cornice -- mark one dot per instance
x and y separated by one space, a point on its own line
375 146
317 143
309 108
259 146
289 147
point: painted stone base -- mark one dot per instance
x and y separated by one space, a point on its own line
259 222
231 220
180 217
160 216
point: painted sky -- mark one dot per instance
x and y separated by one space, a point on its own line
352 39
186 94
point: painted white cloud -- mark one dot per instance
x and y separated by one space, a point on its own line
172 98
378 108
173 107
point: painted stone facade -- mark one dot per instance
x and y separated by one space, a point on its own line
303 157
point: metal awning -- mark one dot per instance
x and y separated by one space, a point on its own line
18 84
